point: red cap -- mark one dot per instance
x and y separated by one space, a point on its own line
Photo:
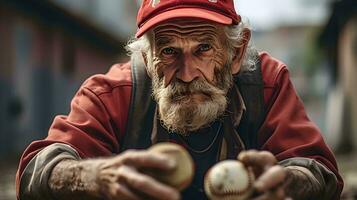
153 12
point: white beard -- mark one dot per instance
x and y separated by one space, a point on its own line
182 114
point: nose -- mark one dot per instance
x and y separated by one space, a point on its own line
188 70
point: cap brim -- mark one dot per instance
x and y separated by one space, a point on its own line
183 13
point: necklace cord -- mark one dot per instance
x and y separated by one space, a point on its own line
205 149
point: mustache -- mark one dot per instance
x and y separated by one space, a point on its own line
179 89
180 112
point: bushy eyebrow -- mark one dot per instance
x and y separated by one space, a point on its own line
163 41
205 39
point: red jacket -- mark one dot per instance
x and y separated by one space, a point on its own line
96 123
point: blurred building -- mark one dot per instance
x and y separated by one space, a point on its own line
47 49
339 42
294 44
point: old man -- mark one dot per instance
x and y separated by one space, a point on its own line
193 79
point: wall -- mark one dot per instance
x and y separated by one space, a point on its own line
42 65
347 58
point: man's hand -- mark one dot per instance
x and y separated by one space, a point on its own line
112 178
119 177
269 184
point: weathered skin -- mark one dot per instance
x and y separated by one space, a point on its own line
276 182
112 178
183 50
188 50
191 73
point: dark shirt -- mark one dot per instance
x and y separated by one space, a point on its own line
205 154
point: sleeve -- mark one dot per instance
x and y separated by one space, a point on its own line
88 130
288 133
34 184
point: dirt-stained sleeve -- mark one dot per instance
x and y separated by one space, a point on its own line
34 184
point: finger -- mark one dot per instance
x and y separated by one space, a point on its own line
270 179
111 186
148 185
123 192
277 194
248 159
280 193
262 159
246 156
147 159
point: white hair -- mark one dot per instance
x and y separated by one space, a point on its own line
136 47
235 39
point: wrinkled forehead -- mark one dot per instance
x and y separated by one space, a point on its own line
188 29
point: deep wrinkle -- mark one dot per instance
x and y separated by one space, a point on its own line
185 39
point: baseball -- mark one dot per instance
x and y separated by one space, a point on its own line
182 175
229 180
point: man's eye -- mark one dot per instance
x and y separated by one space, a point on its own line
204 47
168 51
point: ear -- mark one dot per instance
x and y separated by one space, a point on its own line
145 58
240 51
